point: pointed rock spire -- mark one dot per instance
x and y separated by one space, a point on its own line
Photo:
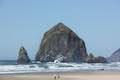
23 56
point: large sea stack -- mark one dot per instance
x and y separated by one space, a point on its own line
23 56
115 57
60 43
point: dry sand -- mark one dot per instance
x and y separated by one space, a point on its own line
65 76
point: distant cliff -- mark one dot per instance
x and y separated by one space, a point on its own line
115 57
60 43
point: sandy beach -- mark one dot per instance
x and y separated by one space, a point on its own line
65 76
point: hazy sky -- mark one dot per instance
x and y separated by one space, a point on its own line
23 23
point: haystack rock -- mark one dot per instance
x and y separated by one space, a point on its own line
23 56
115 57
60 43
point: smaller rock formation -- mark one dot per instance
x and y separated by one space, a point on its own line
92 59
115 57
23 56
100 59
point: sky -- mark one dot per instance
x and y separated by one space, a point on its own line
24 22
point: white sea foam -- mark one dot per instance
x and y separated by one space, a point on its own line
55 67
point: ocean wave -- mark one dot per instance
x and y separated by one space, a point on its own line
55 67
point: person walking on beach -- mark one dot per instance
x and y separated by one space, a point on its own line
57 76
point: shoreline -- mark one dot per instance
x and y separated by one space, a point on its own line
61 72
65 72
83 75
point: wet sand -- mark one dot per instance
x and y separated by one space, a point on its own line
65 76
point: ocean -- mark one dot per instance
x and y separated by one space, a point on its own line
11 67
